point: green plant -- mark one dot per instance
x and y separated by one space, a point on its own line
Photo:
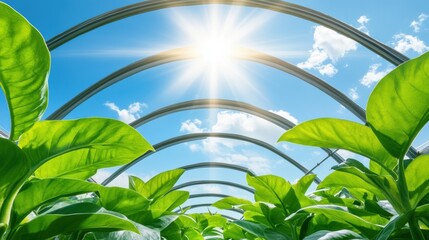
397 110
47 160
149 205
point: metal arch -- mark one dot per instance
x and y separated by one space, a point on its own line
204 182
384 51
197 136
219 165
200 195
190 53
227 104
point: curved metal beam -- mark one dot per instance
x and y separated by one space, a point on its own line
384 51
200 195
198 136
219 165
190 53
220 182
226 104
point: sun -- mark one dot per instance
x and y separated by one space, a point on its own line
215 37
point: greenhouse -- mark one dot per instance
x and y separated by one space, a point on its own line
214 119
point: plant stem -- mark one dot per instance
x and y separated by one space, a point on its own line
402 186
416 233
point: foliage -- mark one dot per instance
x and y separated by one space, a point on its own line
44 161
397 110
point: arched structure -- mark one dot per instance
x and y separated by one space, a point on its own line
218 165
190 53
197 136
226 104
205 182
384 51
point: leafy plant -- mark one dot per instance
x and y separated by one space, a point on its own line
397 110
39 155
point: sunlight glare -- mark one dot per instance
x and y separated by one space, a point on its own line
214 35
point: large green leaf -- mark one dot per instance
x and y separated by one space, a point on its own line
37 192
418 179
78 217
275 190
157 186
353 174
77 148
398 107
334 235
170 201
343 134
256 229
396 223
122 200
231 202
340 214
24 69
14 171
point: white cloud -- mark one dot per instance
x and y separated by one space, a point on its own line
232 151
416 24
211 189
286 115
405 42
191 126
328 47
354 95
374 75
127 115
346 154
120 181
363 20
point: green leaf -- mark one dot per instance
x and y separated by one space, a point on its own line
302 185
396 223
158 185
37 192
24 69
81 217
77 148
353 174
417 179
343 134
398 107
122 200
334 235
256 229
275 190
14 171
341 215
170 201
162 222
231 202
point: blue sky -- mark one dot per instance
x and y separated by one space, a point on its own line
341 62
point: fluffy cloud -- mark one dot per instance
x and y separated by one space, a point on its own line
231 151
363 20
354 95
416 24
328 47
120 181
405 42
374 75
127 115
191 126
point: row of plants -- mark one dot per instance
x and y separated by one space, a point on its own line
44 192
